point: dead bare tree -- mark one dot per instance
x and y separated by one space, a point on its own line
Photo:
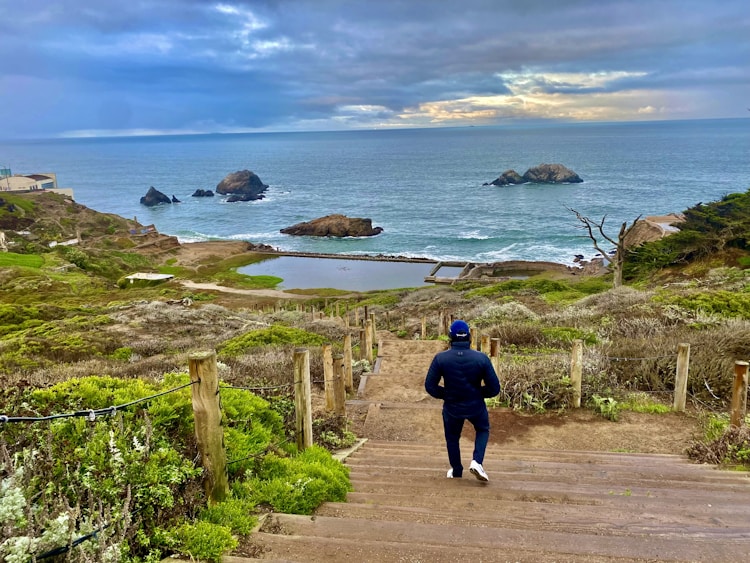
618 261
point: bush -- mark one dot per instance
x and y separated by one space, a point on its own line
275 335
299 484
205 541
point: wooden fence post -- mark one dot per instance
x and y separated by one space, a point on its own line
423 334
441 323
339 392
681 377
495 354
328 377
368 341
486 344
208 432
348 375
576 371
474 337
302 400
373 329
739 394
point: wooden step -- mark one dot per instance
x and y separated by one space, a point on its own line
721 545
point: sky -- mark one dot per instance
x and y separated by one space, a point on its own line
77 68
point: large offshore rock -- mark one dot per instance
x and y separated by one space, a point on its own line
551 174
334 226
242 185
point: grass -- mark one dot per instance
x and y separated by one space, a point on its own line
644 403
10 259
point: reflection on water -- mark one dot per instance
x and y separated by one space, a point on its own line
353 275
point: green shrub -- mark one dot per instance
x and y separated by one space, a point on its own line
607 407
564 335
275 335
205 541
721 302
299 484
235 514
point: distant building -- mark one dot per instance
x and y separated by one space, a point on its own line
10 182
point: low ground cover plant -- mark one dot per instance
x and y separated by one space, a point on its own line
128 480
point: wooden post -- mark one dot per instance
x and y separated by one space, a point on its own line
348 375
486 344
338 309
368 341
208 432
576 371
374 331
739 394
362 354
681 377
424 329
356 316
474 334
328 377
366 315
302 401
441 323
495 354
339 392
387 321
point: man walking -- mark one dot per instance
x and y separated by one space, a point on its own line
468 379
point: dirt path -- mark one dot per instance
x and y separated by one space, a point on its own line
275 293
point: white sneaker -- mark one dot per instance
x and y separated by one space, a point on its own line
450 473
478 471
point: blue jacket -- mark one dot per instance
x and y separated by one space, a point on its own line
468 378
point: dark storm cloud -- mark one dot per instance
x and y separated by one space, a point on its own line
227 65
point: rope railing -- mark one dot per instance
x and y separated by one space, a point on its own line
91 414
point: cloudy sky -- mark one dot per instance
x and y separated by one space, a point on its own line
114 67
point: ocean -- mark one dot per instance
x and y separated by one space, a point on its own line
423 186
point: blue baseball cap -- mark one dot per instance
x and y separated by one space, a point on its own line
459 330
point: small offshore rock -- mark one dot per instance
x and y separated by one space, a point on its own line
203 193
154 197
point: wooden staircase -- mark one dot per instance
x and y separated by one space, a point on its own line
539 506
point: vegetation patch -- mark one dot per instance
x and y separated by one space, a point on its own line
275 335
129 475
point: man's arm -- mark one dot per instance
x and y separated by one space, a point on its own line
432 381
491 385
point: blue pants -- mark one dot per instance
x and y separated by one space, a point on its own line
453 426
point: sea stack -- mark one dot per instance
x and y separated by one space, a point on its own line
242 185
334 226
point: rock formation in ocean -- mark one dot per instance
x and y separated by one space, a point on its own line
242 186
334 226
551 174
506 178
154 197
542 174
203 193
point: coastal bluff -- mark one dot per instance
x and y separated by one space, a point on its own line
542 174
334 226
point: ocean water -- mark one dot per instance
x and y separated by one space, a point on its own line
424 187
